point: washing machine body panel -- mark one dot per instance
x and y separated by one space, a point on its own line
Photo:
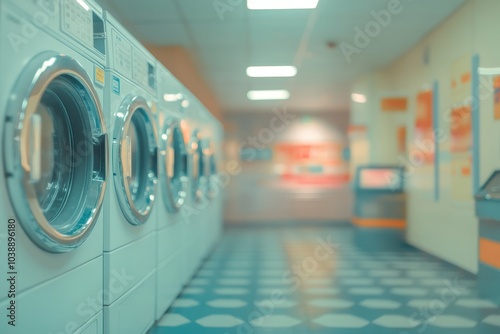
190 227
118 231
171 211
213 226
82 303
133 313
205 223
43 273
130 219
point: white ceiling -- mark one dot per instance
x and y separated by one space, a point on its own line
225 48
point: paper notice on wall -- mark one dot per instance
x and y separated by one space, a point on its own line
461 81
496 87
401 139
461 172
461 130
394 104
424 132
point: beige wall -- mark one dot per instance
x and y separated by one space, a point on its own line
445 227
180 63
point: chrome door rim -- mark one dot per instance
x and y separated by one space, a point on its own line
24 100
130 107
211 163
198 175
173 200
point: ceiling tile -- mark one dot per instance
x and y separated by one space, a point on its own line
225 40
214 10
162 33
217 34
145 11
224 57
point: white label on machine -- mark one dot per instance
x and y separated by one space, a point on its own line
77 22
122 54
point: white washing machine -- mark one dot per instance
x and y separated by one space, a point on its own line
173 187
216 184
201 230
193 210
54 166
130 203
213 185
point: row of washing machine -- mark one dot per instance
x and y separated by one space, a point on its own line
109 196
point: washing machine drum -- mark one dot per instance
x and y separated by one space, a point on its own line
55 152
213 187
135 160
200 168
174 179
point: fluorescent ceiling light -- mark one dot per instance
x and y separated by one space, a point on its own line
268 95
83 4
282 4
271 71
172 97
358 98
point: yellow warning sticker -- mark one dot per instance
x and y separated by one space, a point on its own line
99 75
154 107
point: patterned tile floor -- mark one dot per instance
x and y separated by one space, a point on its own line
324 280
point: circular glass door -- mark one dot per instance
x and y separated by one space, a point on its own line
55 152
135 159
212 188
174 178
198 165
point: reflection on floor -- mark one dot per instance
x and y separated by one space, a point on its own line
324 281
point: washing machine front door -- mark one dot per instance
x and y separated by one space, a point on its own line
199 168
135 159
55 152
174 179
212 171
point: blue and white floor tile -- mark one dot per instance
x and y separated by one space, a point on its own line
292 281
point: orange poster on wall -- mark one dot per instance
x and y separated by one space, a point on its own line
402 140
314 164
461 156
424 125
496 86
394 104
461 129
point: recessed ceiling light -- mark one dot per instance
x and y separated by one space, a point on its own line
282 4
170 97
83 4
271 71
358 98
268 95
